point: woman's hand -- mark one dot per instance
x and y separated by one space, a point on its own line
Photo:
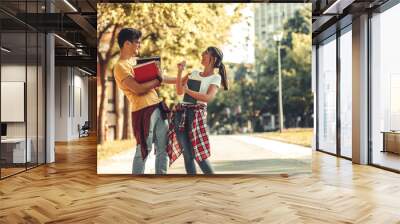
205 97
181 66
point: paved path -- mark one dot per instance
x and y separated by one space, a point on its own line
230 154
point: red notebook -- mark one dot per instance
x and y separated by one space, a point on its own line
145 72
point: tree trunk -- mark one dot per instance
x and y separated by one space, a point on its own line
126 119
103 63
118 113
101 114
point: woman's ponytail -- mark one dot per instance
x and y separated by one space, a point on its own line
217 53
224 78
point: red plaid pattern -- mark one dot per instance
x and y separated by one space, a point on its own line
173 148
197 134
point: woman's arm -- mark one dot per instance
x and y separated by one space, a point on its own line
211 92
181 83
179 86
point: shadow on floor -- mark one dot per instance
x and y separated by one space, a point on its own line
262 166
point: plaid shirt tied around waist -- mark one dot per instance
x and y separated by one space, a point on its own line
197 134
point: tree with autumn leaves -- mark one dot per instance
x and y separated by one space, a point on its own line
257 93
175 32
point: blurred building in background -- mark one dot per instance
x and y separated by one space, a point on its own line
270 18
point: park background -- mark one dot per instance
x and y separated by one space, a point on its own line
244 121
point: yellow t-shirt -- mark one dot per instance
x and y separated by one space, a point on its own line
122 70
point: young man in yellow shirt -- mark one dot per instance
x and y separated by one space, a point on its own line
149 124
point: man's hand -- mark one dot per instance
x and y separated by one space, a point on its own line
160 76
139 88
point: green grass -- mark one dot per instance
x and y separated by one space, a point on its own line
297 136
111 148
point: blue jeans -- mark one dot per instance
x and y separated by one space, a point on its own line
184 141
157 134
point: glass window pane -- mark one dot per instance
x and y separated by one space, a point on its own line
385 88
23 85
327 96
13 84
346 94
41 99
31 97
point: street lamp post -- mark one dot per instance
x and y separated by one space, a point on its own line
278 37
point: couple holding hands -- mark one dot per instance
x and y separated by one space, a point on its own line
185 130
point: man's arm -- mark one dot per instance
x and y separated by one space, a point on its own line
164 78
139 88
169 80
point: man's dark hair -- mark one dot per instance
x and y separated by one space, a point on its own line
128 34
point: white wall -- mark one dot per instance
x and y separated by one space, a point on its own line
12 73
61 103
71 93
33 127
80 100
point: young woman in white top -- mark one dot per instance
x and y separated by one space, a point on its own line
191 132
